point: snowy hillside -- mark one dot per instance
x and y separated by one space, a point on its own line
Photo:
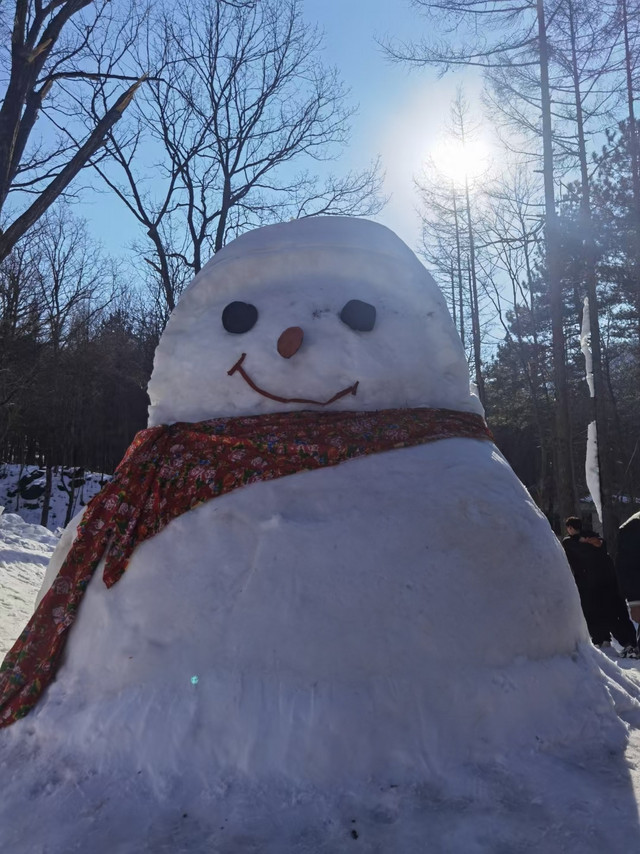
25 546
25 550
22 490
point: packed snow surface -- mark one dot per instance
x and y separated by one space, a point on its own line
386 656
25 550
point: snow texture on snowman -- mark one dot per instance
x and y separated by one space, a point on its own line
386 654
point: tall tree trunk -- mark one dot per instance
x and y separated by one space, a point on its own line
459 256
44 199
453 295
71 497
590 254
162 267
633 152
225 207
46 498
20 470
475 313
565 488
530 371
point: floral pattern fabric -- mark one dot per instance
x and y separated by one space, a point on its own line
171 469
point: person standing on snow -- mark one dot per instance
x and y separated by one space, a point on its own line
602 605
628 564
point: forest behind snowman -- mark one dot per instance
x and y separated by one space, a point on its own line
107 105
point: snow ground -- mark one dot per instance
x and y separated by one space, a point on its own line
25 550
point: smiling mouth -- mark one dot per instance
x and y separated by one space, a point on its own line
352 389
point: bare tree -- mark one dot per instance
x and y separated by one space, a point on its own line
74 281
75 287
20 327
512 34
513 228
444 238
625 22
584 55
242 100
449 228
60 51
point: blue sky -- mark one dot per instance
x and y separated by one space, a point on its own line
401 113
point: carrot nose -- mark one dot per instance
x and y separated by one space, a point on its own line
289 342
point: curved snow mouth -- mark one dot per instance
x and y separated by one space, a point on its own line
352 389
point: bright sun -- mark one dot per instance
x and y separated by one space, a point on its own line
458 162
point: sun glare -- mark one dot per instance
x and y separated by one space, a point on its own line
457 161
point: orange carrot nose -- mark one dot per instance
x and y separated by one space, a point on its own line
289 342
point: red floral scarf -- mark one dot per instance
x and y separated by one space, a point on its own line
169 470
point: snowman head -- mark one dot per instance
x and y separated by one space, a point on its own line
320 313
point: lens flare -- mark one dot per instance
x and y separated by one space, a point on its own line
459 161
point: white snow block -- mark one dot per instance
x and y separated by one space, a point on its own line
372 655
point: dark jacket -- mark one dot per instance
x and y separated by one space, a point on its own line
603 607
588 564
628 560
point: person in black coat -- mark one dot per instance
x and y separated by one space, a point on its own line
603 607
628 563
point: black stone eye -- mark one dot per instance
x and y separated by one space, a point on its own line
359 315
239 317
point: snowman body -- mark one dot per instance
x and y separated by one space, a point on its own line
371 625
327 625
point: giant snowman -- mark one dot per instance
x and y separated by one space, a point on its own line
382 655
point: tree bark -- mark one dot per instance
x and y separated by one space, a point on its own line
475 313
633 152
590 256
46 498
23 223
564 483
459 257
